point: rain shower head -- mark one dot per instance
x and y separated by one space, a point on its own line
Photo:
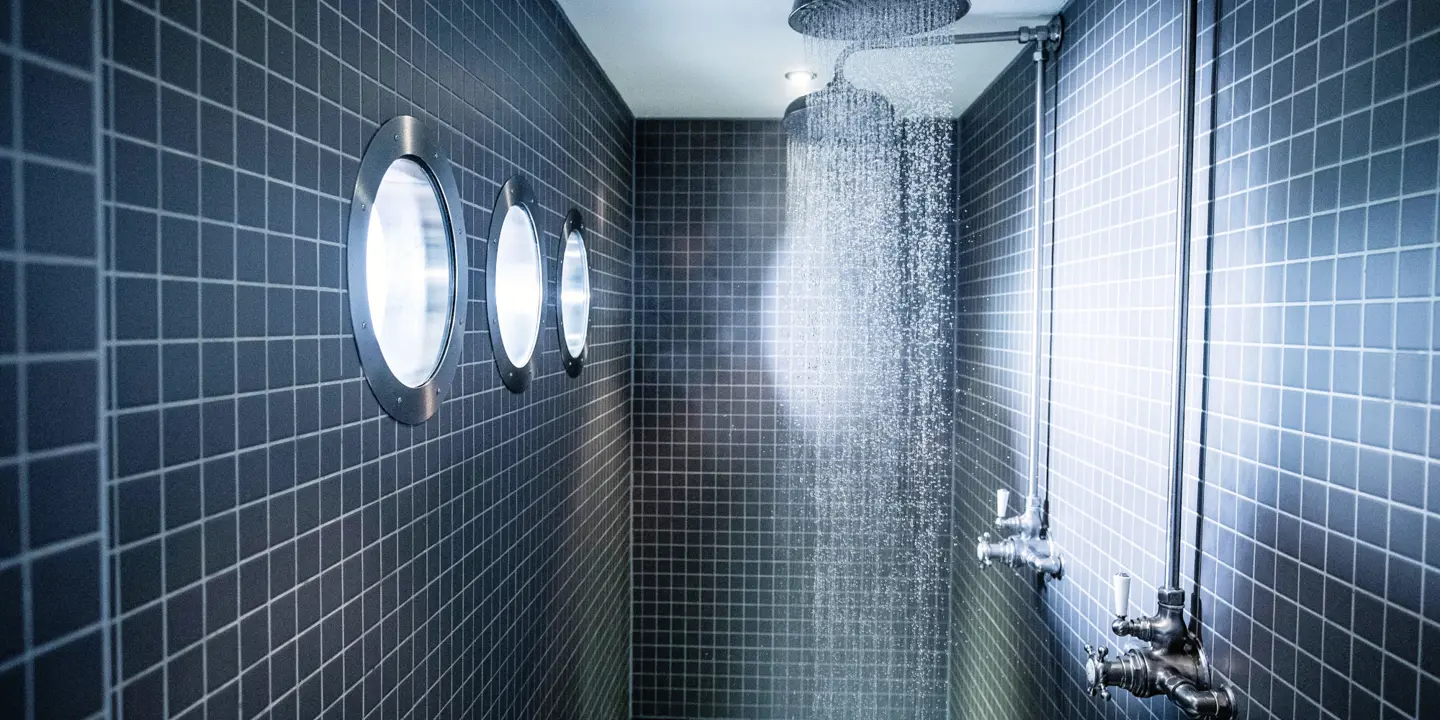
873 19
839 108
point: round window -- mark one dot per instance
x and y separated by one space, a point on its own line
574 294
516 282
405 282
409 273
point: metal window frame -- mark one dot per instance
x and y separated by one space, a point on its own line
410 138
515 192
574 223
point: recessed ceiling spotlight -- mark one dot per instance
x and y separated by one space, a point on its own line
800 76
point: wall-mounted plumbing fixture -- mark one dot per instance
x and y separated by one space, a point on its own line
1174 664
1026 546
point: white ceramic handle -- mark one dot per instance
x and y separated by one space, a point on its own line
1002 502
1120 604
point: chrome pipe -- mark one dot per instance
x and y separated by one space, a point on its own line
1183 227
1174 664
1041 34
1038 291
1025 547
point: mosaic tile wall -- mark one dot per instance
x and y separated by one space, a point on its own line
992 611
1312 466
262 541
719 567
53 643
724 549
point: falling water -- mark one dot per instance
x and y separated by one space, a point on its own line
862 326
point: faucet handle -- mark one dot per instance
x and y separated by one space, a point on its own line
1002 502
1120 602
1095 671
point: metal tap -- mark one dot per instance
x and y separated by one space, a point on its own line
1029 523
1173 665
1023 548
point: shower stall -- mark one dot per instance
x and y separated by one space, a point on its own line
719 359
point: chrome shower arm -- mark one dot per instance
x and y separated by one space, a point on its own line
1048 34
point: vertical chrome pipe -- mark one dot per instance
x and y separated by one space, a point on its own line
1183 223
1038 291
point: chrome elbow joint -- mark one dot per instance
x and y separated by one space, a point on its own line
1044 560
1200 704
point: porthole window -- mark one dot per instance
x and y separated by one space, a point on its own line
515 278
405 256
574 294
408 272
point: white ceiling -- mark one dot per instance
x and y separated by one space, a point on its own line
728 58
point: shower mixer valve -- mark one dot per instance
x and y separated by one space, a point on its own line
1172 665
1023 547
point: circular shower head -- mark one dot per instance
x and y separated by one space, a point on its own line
873 19
840 111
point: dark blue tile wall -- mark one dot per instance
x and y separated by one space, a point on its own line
281 546
725 529
723 624
251 537
52 529
994 614
203 512
1311 500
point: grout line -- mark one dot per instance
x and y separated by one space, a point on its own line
22 373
